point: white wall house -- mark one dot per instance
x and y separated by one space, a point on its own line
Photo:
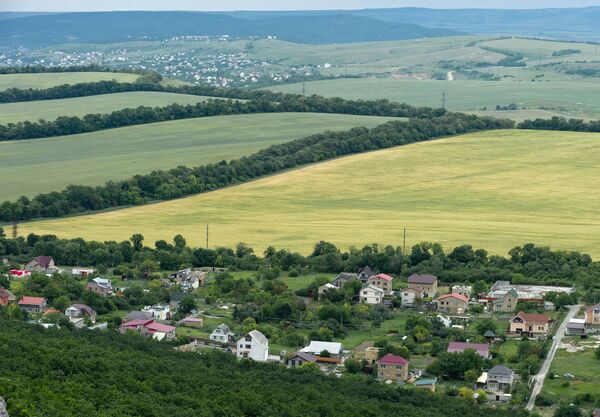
410 295
158 311
253 346
221 334
371 295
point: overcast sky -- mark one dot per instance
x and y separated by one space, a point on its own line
90 5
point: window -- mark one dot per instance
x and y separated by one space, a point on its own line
248 346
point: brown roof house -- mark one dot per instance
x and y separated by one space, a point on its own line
453 303
482 349
392 368
42 264
6 297
592 316
365 273
530 325
81 311
428 284
101 286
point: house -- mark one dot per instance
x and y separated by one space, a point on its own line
453 303
100 286
300 358
500 379
317 347
371 295
410 295
482 349
6 297
343 278
507 302
253 346
596 412
137 315
524 293
81 311
191 321
222 334
365 273
189 280
426 383
463 290
529 324
382 281
42 264
428 284
392 368
366 351
77 322
324 288
576 327
33 304
149 328
592 316
158 311
82 272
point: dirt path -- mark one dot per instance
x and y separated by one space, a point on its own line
538 380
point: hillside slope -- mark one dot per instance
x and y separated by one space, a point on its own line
494 190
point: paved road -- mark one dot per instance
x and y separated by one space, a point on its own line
538 380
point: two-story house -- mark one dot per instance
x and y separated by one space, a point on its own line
371 295
343 277
529 324
254 346
392 368
100 286
410 295
428 284
500 379
158 311
81 311
506 303
592 316
150 329
42 264
452 303
382 281
365 273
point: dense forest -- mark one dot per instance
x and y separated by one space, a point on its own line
59 372
560 123
183 181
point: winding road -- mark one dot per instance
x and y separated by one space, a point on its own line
538 380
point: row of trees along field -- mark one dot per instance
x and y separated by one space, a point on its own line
60 372
135 258
182 181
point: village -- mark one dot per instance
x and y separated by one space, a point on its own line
486 344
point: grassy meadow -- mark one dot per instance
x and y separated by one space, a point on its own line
94 158
579 99
494 190
80 106
51 79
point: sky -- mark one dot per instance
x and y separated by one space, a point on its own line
212 5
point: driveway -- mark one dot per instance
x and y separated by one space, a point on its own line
538 380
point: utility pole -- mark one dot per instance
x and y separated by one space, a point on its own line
207 236
304 88
444 100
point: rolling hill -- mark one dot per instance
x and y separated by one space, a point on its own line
33 166
51 79
494 190
53 29
80 106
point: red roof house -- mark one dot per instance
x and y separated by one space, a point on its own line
482 349
453 303
32 304
149 328
382 281
392 368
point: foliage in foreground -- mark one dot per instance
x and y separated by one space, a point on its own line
66 373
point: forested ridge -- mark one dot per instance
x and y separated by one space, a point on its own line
183 181
60 372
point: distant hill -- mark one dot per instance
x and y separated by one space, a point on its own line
107 27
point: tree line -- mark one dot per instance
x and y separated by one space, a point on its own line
184 181
39 69
562 124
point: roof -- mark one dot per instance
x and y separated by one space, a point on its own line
384 277
422 279
374 288
136 323
44 261
597 306
307 357
328 285
138 315
482 349
483 378
426 381
318 347
489 333
454 295
390 359
159 327
345 276
328 360
367 270
84 308
500 370
224 328
419 290
32 301
259 337
192 319
533 318
7 294
364 345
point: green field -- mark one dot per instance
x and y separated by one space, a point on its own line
80 106
570 98
46 80
32 166
494 190
583 365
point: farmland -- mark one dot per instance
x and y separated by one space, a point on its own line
494 190
94 158
47 80
80 106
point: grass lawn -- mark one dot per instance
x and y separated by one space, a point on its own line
94 158
80 106
494 190
583 365
51 79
